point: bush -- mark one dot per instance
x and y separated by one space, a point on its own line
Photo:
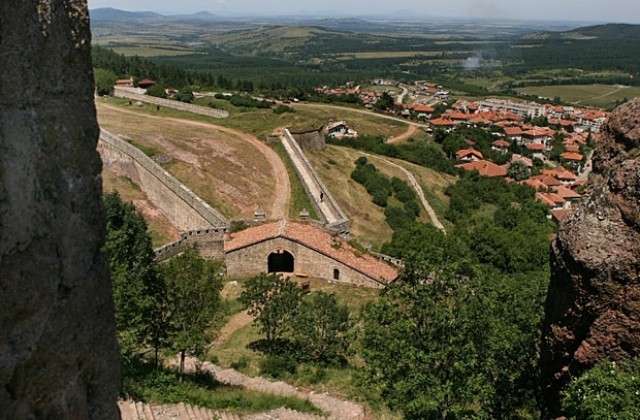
241 363
608 391
277 366
281 109
157 90
184 96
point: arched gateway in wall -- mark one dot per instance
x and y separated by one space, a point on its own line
303 250
281 262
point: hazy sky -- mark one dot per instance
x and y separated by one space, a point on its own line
580 10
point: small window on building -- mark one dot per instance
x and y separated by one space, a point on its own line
336 274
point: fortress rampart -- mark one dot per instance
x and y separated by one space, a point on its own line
128 93
183 207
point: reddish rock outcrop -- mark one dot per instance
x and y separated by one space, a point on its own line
593 305
59 357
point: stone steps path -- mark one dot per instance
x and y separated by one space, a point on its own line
335 408
131 410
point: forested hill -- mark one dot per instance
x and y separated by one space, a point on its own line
608 31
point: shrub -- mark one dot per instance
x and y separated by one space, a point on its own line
278 366
241 363
281 109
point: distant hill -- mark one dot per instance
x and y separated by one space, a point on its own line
111 14
609 31
203 15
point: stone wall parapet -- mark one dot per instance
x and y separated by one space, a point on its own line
136 95
202 210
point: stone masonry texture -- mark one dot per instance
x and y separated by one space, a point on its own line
59 357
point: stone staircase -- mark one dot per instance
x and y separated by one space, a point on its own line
131 410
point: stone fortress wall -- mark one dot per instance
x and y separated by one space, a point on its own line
183 207
311 140
138 95
252 259
210 244
326 207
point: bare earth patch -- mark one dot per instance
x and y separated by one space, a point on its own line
233 171
160 228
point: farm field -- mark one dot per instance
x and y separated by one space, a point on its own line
601 96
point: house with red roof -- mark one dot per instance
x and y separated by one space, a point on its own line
146 83
501 146
303 249
469 155
572 156
513 134
441 123
485 168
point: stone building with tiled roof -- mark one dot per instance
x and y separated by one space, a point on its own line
303 249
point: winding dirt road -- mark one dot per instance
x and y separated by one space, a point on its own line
418 189
410 131
279 208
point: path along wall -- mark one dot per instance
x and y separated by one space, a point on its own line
183 207
327 208
129 93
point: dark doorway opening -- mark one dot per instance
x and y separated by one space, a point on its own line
336 274
281 262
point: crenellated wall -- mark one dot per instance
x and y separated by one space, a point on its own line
182 206
210 244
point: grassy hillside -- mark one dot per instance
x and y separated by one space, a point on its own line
368 224
219 167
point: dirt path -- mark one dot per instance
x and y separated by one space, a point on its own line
602 96
410 131
280 206
236 322
416 186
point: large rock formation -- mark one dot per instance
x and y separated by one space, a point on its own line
58 353
593 306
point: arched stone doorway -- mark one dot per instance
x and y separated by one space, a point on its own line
281 262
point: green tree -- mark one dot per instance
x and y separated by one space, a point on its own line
159 91
137 289
104 80
608 391
420 342
320 328
184 95
518 170
274 301
384 102
192 302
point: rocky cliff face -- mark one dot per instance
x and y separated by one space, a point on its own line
58 353
593 306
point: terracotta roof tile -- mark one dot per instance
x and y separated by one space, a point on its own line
485 168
